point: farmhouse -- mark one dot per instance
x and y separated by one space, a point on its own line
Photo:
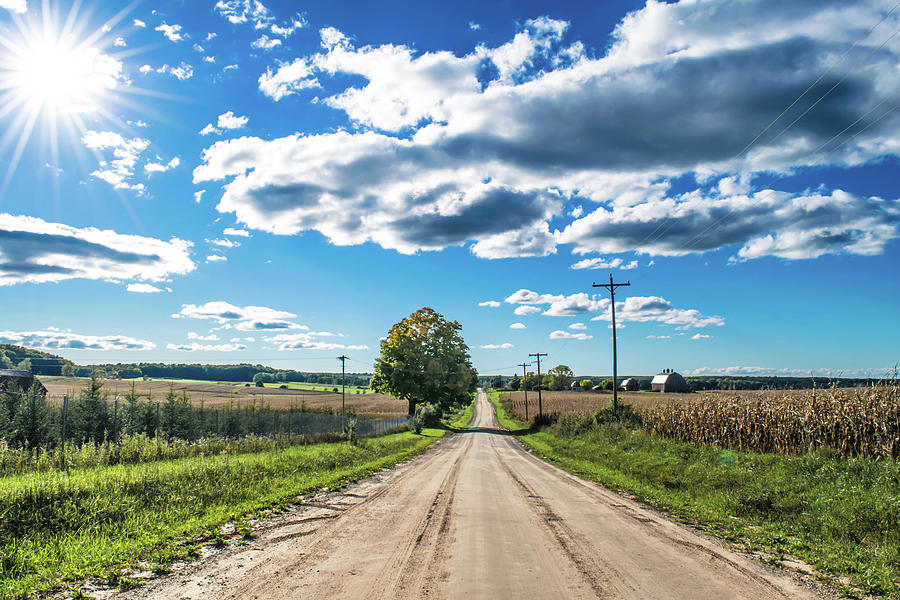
23 379
629 385
668 380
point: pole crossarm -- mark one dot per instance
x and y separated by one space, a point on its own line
611 286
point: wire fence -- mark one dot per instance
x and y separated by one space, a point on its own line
177 418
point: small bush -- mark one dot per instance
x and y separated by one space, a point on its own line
545 420
418 422
432 416
626 416
572 425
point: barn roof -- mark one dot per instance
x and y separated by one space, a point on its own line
665 375
15 373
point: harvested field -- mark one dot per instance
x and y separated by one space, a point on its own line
219 395
567 402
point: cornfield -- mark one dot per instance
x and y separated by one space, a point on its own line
855 422
568 402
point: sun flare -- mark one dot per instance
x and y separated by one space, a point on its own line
56 74
63 77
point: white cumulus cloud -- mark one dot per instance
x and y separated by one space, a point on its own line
54 339
36 251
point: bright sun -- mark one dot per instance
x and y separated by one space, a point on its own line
54 75
63 77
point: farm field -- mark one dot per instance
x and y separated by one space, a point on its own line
566 402
318 387
222 394
862 421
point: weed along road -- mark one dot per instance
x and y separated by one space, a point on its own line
477 517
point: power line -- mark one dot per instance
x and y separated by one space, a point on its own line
653 236
814 83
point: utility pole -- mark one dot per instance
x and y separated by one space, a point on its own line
538 355
343 360
612 304
524 377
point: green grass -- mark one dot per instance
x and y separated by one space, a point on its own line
840 516
59 527
463 418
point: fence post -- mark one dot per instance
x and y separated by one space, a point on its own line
116 421
62 454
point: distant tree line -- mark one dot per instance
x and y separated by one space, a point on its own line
561 378
231 373
39 363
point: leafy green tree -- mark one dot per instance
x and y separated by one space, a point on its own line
68 370
515 382
424 359
561 377
497 382
607 384
586 384
6 362
24 365
31 426
90 413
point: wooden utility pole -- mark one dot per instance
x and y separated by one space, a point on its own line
612 297
343 360
538 355
524 377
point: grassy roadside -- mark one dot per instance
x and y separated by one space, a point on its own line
842 517
57 527
463 417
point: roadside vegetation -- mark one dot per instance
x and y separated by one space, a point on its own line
839 515
59 527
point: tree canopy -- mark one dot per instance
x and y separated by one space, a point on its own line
425 360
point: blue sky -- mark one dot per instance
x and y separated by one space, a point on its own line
280 182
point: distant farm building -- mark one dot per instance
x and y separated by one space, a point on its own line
23 379
576 386
629 385
668 380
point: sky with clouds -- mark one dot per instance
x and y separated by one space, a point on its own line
279 182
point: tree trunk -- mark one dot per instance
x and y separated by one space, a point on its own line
412 407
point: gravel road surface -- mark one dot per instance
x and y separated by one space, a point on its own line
476 517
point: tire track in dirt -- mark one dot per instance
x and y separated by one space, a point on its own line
654 524
418 569
591 567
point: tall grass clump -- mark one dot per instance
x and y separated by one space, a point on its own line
857 422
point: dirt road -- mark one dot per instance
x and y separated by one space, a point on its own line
478 517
